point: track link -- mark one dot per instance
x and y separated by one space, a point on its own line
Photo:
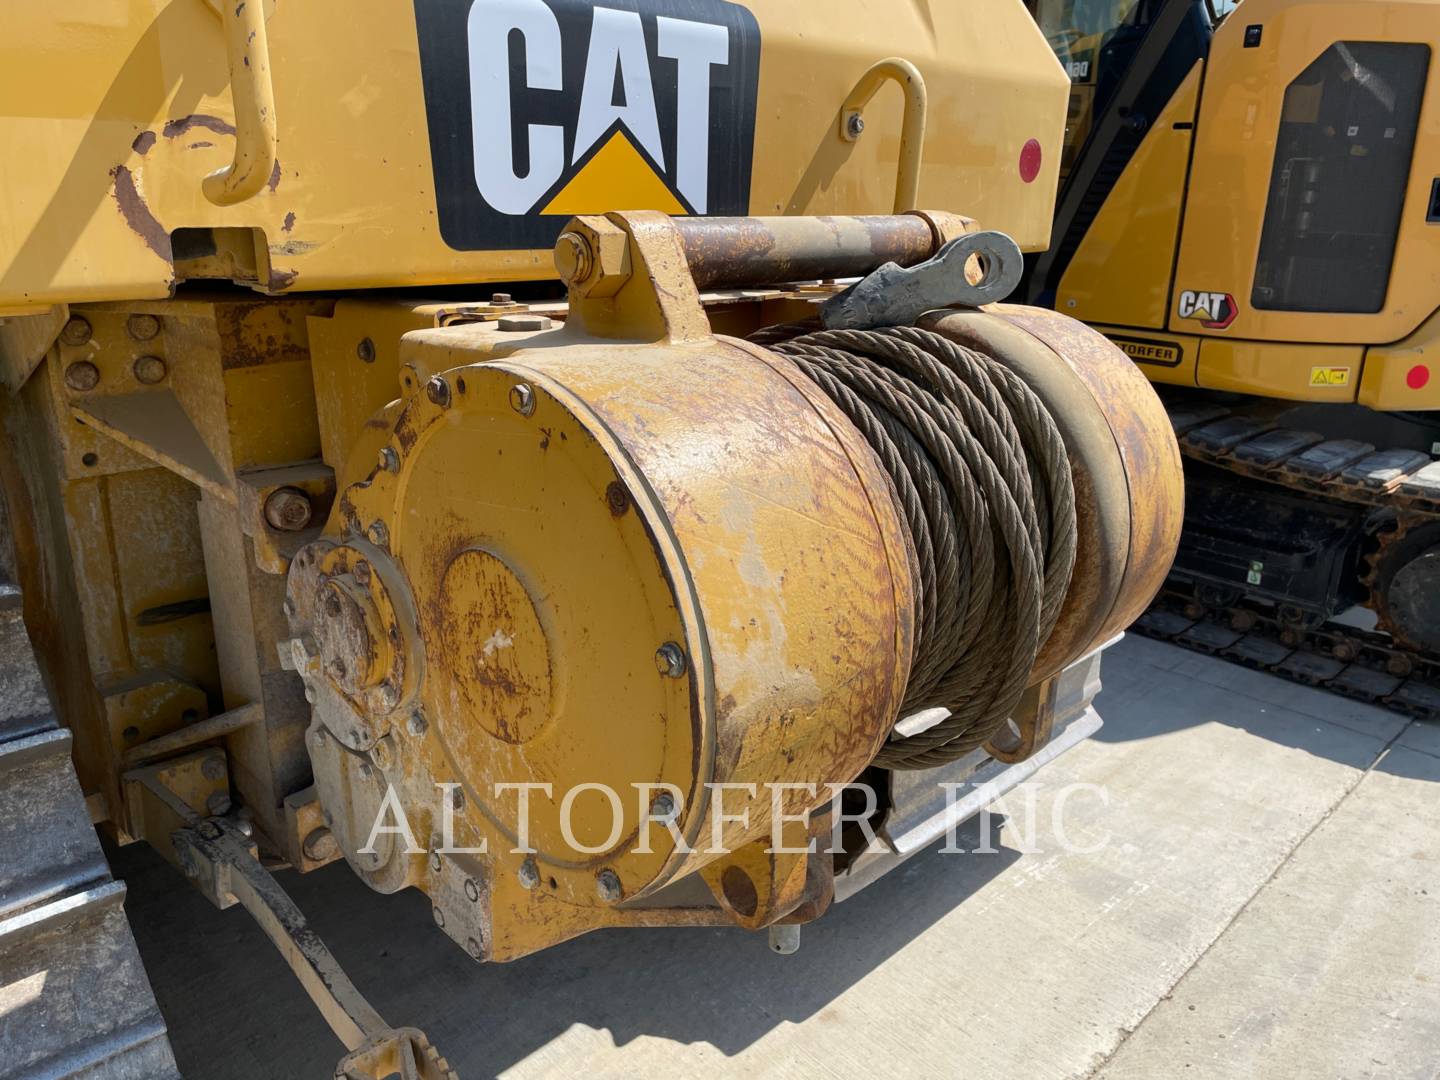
74 999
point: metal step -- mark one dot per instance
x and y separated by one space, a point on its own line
74 999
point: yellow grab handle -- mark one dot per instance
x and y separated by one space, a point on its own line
912 128
253 95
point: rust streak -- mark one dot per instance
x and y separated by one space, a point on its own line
201 120
137 215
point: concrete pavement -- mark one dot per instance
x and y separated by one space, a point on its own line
1260 898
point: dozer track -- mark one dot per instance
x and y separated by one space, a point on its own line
74 999
1401 486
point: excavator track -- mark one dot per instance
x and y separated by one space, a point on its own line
74 998
1386 666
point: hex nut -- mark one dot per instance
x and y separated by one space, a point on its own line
149 370
499 299
218 803
663 807
417 724
320 845
438 391
607 886
517 323
522 399
389 459
378 534
854 125
288 509
82 375
142 327
76 331
670 660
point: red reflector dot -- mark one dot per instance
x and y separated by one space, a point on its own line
1030 156
1417 376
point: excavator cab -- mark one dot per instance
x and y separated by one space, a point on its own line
1249 207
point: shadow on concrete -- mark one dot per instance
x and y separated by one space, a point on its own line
1152 689
237 1012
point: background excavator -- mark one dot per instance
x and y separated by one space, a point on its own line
1250 209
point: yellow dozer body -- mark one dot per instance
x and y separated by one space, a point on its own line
543 453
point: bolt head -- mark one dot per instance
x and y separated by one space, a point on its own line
383 753
389 460
365 769
438 391
670 660
320 845
574 260
378 534
76 331
149 370
500 298
529 873
288 509
82 375
663 807
473 948
472 890
435 862
517 323
607 886
417 724
142 327
218 803
212 768
439 917
854 125
522 399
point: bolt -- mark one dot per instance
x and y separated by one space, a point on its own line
473 948
142 327
389 696
574 260
854 125
472 891
76 332
663 808
361 571
1343 650
522 399
529 873
208 830
288 509
785 938
389 460
670 660
500 298
607 886
438 391
439 917
617 498
320 845
149 370
1399 666
435 863
512 323
218 803
82 375
365 769
383 753
379 535
366 350
213 768
417 724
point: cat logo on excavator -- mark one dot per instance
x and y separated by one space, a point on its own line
539 110
1214 310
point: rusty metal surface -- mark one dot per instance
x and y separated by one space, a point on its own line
768 250
1144 440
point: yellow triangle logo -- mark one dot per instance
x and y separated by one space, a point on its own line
617 176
